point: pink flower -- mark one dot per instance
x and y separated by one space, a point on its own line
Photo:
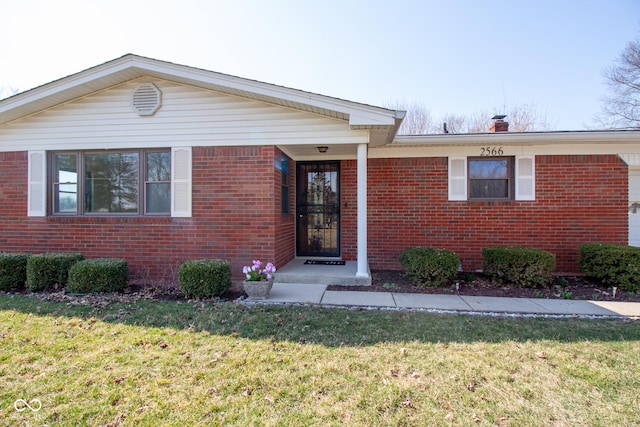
256 272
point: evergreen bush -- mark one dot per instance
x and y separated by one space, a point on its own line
612 265
429 267
13 271
520 266
50 271
204 278
98 275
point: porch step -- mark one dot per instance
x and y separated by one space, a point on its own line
297 271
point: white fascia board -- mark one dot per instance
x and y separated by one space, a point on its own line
519 138
359 118
559 148
57 86
76 86
359 114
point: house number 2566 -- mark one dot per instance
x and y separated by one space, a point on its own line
491 151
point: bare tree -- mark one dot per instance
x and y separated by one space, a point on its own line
523 117
455 123
418 120
474 123
621 107
7 91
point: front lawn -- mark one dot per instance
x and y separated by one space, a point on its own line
152 363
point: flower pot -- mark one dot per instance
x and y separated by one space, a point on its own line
257 290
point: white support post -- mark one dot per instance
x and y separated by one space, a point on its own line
363 262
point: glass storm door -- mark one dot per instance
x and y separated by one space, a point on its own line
318 209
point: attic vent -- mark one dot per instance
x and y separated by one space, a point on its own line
146 99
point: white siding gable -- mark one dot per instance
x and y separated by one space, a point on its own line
189 116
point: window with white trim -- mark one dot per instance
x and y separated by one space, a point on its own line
111 183
492 178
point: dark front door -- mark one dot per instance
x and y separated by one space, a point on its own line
318 209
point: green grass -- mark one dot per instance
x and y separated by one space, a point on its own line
152 363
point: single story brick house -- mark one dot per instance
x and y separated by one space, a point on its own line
159 163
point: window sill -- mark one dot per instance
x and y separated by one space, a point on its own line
103 219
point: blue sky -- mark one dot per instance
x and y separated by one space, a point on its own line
452 56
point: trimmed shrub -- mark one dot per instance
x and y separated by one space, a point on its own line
520 266
612 265
429 267
205 278
13 271
50 271
98 275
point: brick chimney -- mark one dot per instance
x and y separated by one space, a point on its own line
499 125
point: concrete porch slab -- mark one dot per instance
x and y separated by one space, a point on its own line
297 293
355 298
428 301
296 271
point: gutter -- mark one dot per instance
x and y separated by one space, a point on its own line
399 116
517 138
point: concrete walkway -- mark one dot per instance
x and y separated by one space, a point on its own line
316 294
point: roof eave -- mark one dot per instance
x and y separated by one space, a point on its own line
131 66
518 138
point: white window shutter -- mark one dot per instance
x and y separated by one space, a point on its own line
457 178
525 178
37 186
181 182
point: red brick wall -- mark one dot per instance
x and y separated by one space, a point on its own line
236 216
349 210
579 199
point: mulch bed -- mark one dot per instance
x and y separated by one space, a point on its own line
477 284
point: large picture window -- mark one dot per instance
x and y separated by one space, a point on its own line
113 183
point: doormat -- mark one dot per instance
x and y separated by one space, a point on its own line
323 262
